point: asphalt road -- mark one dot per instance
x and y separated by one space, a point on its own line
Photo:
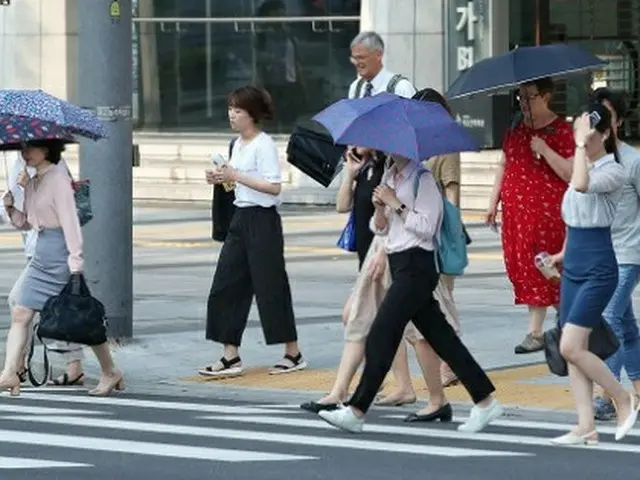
48 434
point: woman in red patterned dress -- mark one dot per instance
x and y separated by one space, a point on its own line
530 184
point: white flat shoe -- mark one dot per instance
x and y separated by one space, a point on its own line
343 418
481 417
628 424
571 439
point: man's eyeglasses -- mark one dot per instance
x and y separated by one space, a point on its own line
522 98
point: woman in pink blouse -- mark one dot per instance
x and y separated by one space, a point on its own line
51 210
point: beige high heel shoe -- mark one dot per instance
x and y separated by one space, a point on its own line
12 386
116 383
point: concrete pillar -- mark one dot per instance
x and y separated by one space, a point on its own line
413 32
105 86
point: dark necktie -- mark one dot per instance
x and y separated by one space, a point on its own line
367 89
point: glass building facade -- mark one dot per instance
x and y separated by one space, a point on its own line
188 55
608 28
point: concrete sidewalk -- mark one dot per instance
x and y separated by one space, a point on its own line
174 261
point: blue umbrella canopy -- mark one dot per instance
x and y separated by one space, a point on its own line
411 128
522 65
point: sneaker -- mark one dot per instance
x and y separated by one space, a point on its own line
481 417
343 418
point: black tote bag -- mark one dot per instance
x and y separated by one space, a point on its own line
311 150
73 316
602 343
222 208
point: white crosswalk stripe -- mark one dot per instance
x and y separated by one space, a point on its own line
233 433
11 463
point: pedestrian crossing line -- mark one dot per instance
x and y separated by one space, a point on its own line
139 447
561 427
280 406
17 463
153 404
54 389
512 439
270 437
16 408
550 426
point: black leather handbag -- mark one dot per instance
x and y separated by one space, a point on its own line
311 150
602 343
73 316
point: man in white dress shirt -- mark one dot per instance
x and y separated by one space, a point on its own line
367 50
15 185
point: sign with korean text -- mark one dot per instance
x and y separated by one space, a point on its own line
469 40
466 29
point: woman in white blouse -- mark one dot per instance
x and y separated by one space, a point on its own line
590 272
252 257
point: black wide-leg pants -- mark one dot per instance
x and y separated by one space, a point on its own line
251 262
410 297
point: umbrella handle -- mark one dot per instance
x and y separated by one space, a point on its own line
6 170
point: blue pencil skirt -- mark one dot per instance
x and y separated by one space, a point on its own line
589 276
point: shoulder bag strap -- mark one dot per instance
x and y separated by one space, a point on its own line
45 360
231 144
359 86
393 83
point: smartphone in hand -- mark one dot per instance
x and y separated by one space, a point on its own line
218 160
594 119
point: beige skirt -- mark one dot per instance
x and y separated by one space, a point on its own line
367 296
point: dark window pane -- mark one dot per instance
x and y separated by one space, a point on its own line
250 8
187 70
608 28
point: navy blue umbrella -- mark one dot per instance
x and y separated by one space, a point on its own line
522 65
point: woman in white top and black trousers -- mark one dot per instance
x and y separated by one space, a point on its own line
410 224
590 273
252 257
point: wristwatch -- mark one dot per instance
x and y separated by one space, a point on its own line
579 144
401 209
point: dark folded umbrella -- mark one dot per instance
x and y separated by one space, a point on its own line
522 65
